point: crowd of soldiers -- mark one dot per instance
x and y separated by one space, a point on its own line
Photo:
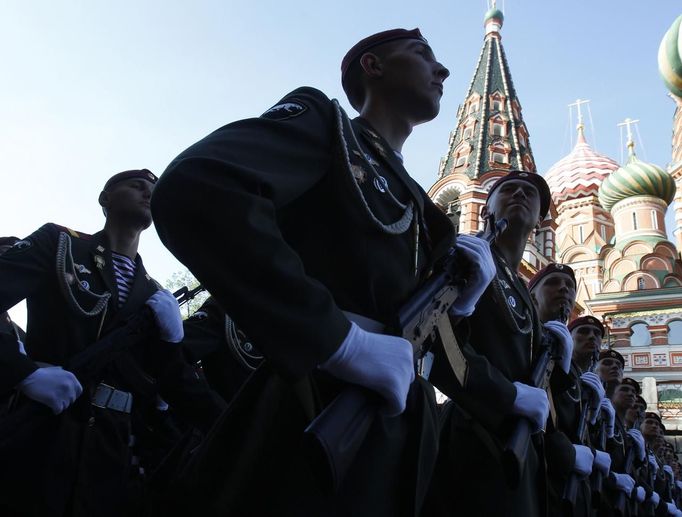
340 298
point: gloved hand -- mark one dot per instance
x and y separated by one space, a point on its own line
166 315
623 482
384 364
669 470
602 462
583 460
594 387
533 404
479 259
52 386
672 509
638 441
640 494
654 499
560 331
609 416
653 464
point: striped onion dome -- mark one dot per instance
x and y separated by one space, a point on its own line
670 58
580 173
636 178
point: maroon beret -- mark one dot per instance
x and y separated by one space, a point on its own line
586 320
374 40
640 400
612 354
633 383
126 175
530 177
548 270
655 416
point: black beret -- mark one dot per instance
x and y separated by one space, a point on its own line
655 416
548 270
633 383
374 40
530 177
610 353
586 320
126 175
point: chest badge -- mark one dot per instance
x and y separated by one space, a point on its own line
99 261
381 184
359 173
82 269
511 301
504 283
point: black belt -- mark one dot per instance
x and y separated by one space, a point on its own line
108 397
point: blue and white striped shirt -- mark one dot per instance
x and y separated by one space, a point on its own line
124 271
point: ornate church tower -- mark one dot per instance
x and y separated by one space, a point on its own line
583 225
489 140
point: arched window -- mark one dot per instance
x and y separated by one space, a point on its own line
640 283
640 335
454 212
675 332
468 132
497 129
499 158
461 160
497 105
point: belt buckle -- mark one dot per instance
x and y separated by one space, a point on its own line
102 395
120 401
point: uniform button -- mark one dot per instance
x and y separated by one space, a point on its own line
91 421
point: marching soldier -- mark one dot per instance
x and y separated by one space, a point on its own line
80 289
610 369
498 341
330 237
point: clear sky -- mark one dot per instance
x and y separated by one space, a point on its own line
90 88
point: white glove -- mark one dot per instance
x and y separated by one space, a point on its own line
533 404
640 494
602 462
52 386
609 416
563 336
678 484
669 470
479 259
638 441
624 482
672 509
384 364
583 460
653 463
595 389
166 315
654 498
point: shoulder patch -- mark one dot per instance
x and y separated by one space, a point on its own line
22 244
285 110
73 233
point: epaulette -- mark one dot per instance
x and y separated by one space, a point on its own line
73 233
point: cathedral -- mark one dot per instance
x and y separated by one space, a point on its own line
607 220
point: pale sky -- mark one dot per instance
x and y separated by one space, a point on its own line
90 88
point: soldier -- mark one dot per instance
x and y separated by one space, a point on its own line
577 396
330 236
498 341
610 369
80 289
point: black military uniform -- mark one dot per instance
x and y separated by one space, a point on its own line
79 463
322 217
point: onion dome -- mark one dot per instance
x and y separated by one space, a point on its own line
636 178
493 20
670 58
580 173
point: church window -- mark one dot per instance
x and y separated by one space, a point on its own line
497 105
654 220
499 158
461 160
675 332
468 132
640 335
473 108
581 236
634 220
602 231
640 283
498 130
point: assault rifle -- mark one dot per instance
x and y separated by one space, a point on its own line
340 429
516 449
621 499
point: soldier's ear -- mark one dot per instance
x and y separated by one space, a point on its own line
371 64
484 212
104 201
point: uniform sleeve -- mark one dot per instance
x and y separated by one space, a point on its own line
24 268
216 209
488 395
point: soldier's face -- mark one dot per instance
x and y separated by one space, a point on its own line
554 293
586 341
610 370
130 201
623 397
413 79
518 202
649 427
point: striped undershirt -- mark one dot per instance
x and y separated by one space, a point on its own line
124 271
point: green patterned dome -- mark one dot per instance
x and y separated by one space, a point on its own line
494 13
669 58
636 178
